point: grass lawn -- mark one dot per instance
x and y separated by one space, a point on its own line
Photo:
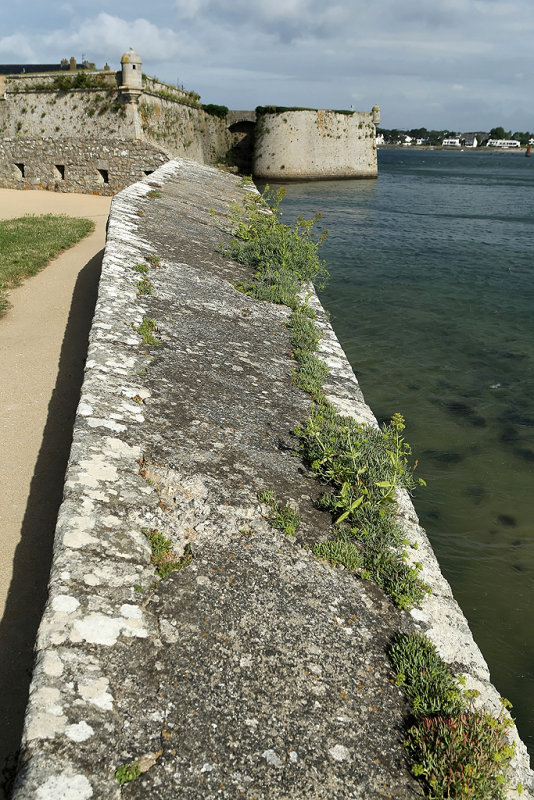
27 244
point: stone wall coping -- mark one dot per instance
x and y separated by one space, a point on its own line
128 473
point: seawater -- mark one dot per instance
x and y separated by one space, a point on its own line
431 294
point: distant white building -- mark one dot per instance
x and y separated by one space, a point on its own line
379 139
469 140
504 143
452 142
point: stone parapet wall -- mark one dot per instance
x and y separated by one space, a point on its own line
315 145
183 130
87 165
35 81
256 670
41 128
78 112
154 85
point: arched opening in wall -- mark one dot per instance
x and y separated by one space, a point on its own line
240 153
148 172
59 172
20 171
102 176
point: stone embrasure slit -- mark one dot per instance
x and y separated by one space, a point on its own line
255 670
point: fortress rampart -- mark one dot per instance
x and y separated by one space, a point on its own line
255 670
98 131
315 144
48 121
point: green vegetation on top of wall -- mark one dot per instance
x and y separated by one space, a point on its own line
189 99
362 465
458 751
65 83
215 110
284 257
261 110
81 80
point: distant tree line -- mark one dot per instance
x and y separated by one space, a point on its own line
432 137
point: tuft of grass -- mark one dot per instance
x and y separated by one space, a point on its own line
363 467
283 256
28 243
341 552
153 194
147 331
283 518
310 374
127 772
144 286
425 677
163 558
153 260
458 752
142 268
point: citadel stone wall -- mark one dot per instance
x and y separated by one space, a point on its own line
88 165
98 139
256 670
76 113
183 130
315 145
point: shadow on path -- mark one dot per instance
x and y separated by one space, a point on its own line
28 590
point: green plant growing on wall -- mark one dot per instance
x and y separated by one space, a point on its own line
283 256
153 260
461 756
127 772
144 286
147 330
339 551
163 557
459 752
311 371
283 518
364 466
425 677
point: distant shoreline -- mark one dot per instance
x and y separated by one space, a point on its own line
482 149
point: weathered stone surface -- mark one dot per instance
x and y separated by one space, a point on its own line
314 145
256 671
79 164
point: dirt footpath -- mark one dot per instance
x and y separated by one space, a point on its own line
43 343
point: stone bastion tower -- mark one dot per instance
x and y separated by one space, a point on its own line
315 144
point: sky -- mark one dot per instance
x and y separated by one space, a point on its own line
462 65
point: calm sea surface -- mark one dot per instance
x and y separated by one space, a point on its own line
431 294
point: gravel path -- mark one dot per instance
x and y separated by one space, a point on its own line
43 341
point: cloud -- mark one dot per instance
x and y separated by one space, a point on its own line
17 49
407 57
286 20
105 34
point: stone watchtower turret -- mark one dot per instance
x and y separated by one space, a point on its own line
132 76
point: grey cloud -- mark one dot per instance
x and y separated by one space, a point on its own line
410 56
